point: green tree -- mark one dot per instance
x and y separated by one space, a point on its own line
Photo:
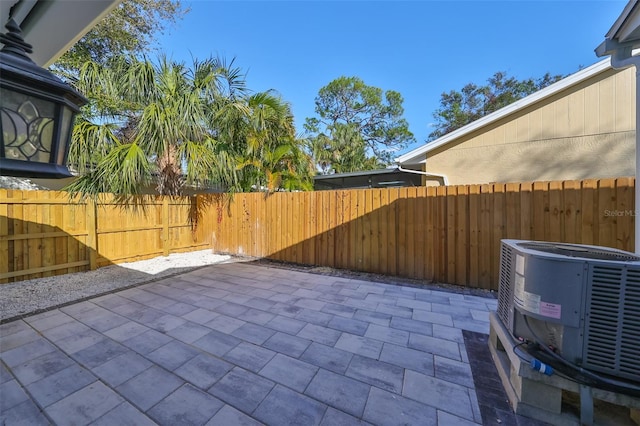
267 153
153 123
345 151
459 108
129 29
358 123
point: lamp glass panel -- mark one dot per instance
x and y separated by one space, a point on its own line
66 124
27 126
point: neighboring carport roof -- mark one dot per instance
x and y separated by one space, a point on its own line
53 26
381 178
418 155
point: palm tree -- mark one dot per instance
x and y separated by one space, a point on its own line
152 122
268 154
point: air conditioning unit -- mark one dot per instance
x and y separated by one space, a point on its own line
584 301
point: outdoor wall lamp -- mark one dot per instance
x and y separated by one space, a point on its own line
37 112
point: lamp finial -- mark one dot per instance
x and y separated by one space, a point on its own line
13 41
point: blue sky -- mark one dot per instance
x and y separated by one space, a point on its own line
419 48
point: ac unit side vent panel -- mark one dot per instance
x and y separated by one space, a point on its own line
505 289
630 338
603 317
612 323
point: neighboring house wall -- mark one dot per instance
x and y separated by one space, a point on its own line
585 131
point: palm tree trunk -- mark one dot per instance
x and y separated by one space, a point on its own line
170 179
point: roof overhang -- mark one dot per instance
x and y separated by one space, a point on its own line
624 35
53 26
626 29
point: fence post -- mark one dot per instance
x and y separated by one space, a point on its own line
165 225
92 234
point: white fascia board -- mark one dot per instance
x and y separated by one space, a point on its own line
417 156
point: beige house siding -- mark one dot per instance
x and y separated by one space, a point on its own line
585 131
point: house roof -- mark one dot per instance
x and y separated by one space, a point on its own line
53 26
627 27
418 155
624 35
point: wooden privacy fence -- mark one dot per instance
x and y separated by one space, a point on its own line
447 234
44 233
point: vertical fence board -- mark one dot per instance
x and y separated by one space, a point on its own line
385 235
572 211
34 247
499 215
309 244
607 210
401 229
80 225
427 235
47 244
556 212
321 236
451 243
348 224
285 224
539 211
626 217
263 229
355 230
415 233
19 246
374 219
297 230
276 220
486 235
342 261
526 202
60 243
367 200
441 238
474 210
512 207
392 231
462 235
4 230
331 227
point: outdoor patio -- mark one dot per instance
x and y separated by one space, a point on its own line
244 343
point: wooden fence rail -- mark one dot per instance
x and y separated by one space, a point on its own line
44 233
447 234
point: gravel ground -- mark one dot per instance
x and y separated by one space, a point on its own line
30 296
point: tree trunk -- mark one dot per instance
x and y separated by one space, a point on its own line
170 179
